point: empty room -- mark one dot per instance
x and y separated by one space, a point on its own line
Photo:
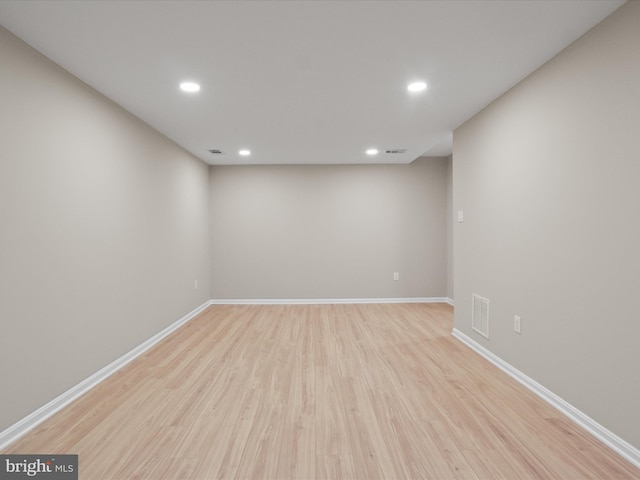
319 239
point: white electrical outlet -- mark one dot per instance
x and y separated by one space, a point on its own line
195 285
396 276
517 326
460 216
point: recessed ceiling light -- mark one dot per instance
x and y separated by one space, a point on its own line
189 87
417 86
372 151
245 152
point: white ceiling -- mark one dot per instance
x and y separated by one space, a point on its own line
303 81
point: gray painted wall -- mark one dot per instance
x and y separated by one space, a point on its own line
104 228
547 177
329 231
449 214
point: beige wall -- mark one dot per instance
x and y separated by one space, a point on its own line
449 214
104 228
309 232
547 176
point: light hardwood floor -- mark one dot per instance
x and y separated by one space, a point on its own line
319 391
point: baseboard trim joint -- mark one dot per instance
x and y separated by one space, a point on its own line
323 301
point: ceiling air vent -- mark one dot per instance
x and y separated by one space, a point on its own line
215 151
396 150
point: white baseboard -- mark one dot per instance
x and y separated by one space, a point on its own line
322 301
607 437
449 300
23 426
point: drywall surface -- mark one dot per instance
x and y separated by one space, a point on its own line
336 231
547 177
104 230
449 180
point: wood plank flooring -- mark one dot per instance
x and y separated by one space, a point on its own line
315 392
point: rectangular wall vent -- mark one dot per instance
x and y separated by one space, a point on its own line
480 315
215 151
396 150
